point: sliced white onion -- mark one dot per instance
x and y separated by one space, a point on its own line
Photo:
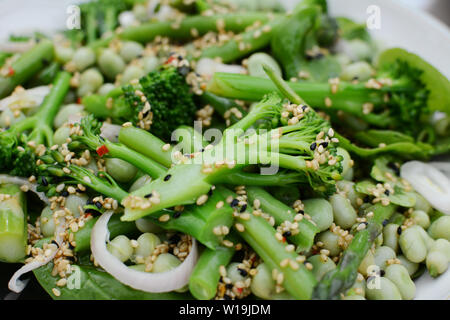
149 282
442 166
17 46
25 99
431 183
4 178
15 284
207 67
110 131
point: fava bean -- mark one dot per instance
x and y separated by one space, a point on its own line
150 64
120 170
343 212
83 58
421 218
8 118
438 257
413 245
321 267
140 182
64 54
263 284
90 81
234 274
63 114
75 203
131 73
347 187
368 261
147 243
390 236
106 88
47 222
440 228
131 50
111 64
256 62
121 248
138 267
385 290
330 242
358 288
360 70
425 236
412 267
422 203
145 225
61 134
382 255
320 211
165 262
399 275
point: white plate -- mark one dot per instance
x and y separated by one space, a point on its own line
400 26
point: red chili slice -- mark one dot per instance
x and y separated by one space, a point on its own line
11 71
170 59
102 150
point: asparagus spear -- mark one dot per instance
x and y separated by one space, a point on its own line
342 278
13 225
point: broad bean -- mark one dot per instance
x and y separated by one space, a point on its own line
343 212
321 212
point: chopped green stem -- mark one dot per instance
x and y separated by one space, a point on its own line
27 65
13 224
342 278
235 22
281 213
256 179
260 235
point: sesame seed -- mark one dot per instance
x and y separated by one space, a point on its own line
56 292
240 227
164 218
219 204
202 200
166 147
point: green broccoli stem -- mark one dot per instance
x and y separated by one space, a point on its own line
13 224
206 275
260 235
98 106
338 280
349 98
3 57
249 41
189 140
256 179
91 23
27 65
183 30
82 237
281 213
41 123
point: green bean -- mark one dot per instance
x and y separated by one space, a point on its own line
121 248
399 275
440 228
90 81
131 50
257 60
360 70
321 267
263 284
387 291
106 88
75 203
438 258
205 277
390 236
64 54
110 63
47 222
63 114
422 203
421 218
13 224
366 263
343 212
150 64
413 245
83 57
120 170
382 255
320 211
147 243
330 242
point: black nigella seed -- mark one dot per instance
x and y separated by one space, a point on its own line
210 192
382 272
319 56
386 192
177 214
44 181
55 243
89 201
324 144
65 193
203 150
385 222
304 107
243 272
301 211
184 70
226 297
229 286
174 239
146 114
355 78
366 198
287 234
313 146
98 204
79 191
166 178
243 208
148 195
394 168
399 230
234 203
